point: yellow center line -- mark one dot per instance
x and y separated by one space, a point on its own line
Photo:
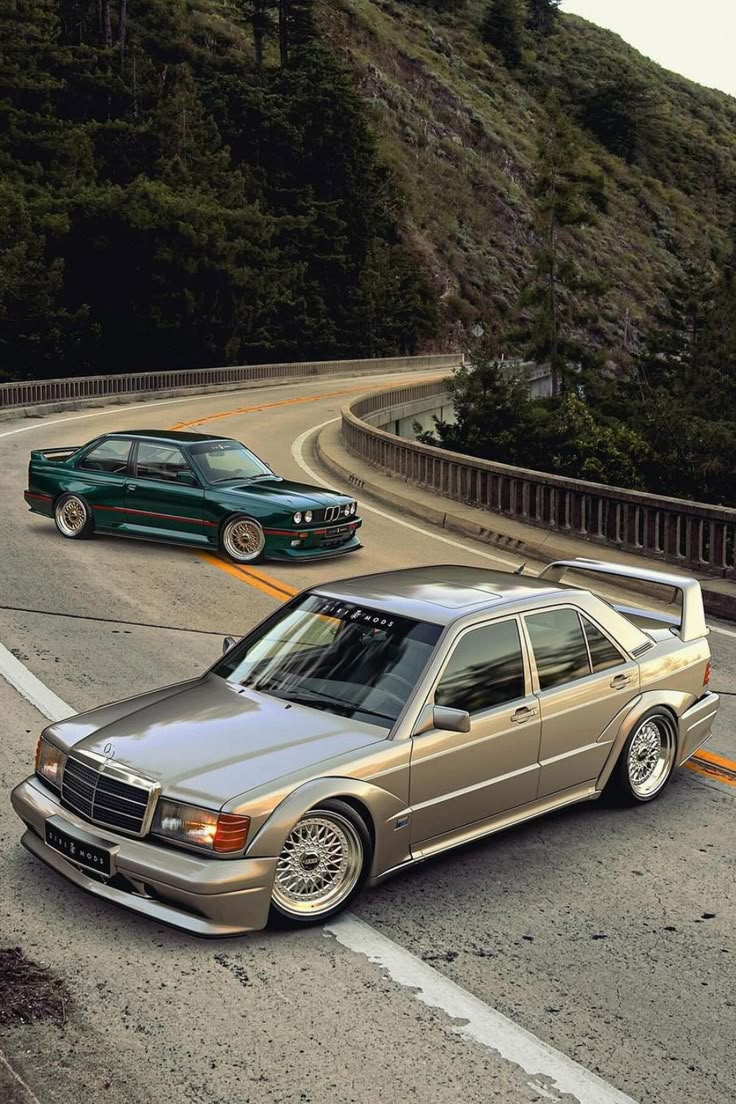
274 588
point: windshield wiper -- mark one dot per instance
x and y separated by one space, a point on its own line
312 697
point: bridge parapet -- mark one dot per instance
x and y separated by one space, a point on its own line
693 535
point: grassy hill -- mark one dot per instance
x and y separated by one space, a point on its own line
460 131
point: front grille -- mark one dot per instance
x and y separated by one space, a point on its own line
100 797
335 513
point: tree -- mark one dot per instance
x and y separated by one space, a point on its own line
503 27
541 15
620 113
566 192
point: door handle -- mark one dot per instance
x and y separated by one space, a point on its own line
620 680
524 713
131 486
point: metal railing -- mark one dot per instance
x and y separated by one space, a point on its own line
25 393
694 535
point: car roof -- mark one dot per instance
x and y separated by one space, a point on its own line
441 593
179 436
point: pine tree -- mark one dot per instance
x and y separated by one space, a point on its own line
503 27
565 191
541 15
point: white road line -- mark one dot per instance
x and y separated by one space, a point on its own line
483 1024
97 414
32 689
17 1077
297 451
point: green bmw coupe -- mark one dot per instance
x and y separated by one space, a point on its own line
188 488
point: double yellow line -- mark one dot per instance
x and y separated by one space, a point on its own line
274 588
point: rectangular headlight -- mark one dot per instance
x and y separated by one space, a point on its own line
49 762
220 832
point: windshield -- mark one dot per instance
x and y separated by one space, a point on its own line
336 656
227 461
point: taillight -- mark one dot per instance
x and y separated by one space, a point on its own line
38 752
708 672
231 833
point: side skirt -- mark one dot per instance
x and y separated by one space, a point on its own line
481 828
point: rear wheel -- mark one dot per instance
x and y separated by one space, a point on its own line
322 866
73 517
243 540
648 758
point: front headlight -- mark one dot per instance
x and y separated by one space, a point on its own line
298 517
49 763
354 508
219 832
308 516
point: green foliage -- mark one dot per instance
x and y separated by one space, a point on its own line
503 28
541 15
177 194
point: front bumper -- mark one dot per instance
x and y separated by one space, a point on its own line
204 896
313 544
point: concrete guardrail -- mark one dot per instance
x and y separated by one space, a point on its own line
694 535
29 394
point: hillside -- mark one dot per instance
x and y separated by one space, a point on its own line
187 183
460 130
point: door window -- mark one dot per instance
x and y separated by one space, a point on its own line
109 456
485 669
559 647
603 654
160 461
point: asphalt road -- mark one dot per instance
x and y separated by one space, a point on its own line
608 935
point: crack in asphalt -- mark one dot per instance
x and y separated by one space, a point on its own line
115 621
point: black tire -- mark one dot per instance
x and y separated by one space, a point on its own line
236 534
340 818
647 759
73 517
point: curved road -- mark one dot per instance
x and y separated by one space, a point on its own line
607 935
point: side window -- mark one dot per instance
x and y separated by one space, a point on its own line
485 669
109 456
603 653
160 461
559 647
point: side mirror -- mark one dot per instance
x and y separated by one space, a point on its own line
443 718
187 477
228 643
450 720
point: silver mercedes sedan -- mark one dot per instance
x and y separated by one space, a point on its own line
363 727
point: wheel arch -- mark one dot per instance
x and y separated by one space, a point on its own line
670 700
379 809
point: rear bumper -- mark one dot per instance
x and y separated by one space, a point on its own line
204 896
696 725
39 503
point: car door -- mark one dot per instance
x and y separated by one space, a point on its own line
582 680
163 498
102 472
458 778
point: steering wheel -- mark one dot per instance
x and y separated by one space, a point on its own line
396 685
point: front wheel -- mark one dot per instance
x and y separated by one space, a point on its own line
243 540
73 517
648 758
322 866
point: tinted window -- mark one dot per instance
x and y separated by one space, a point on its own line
226 461
485 669
109 456
160 461
559 647
602 652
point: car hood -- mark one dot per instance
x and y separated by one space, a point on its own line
209 741
292 496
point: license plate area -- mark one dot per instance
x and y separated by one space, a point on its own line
337 530
79 847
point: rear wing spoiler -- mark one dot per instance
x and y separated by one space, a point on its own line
690 624
62 453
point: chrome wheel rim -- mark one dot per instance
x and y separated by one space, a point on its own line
243 539
651 756
319 866
71 516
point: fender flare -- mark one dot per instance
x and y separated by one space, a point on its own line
391 839
676 702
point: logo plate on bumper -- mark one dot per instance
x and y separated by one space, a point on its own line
91 852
